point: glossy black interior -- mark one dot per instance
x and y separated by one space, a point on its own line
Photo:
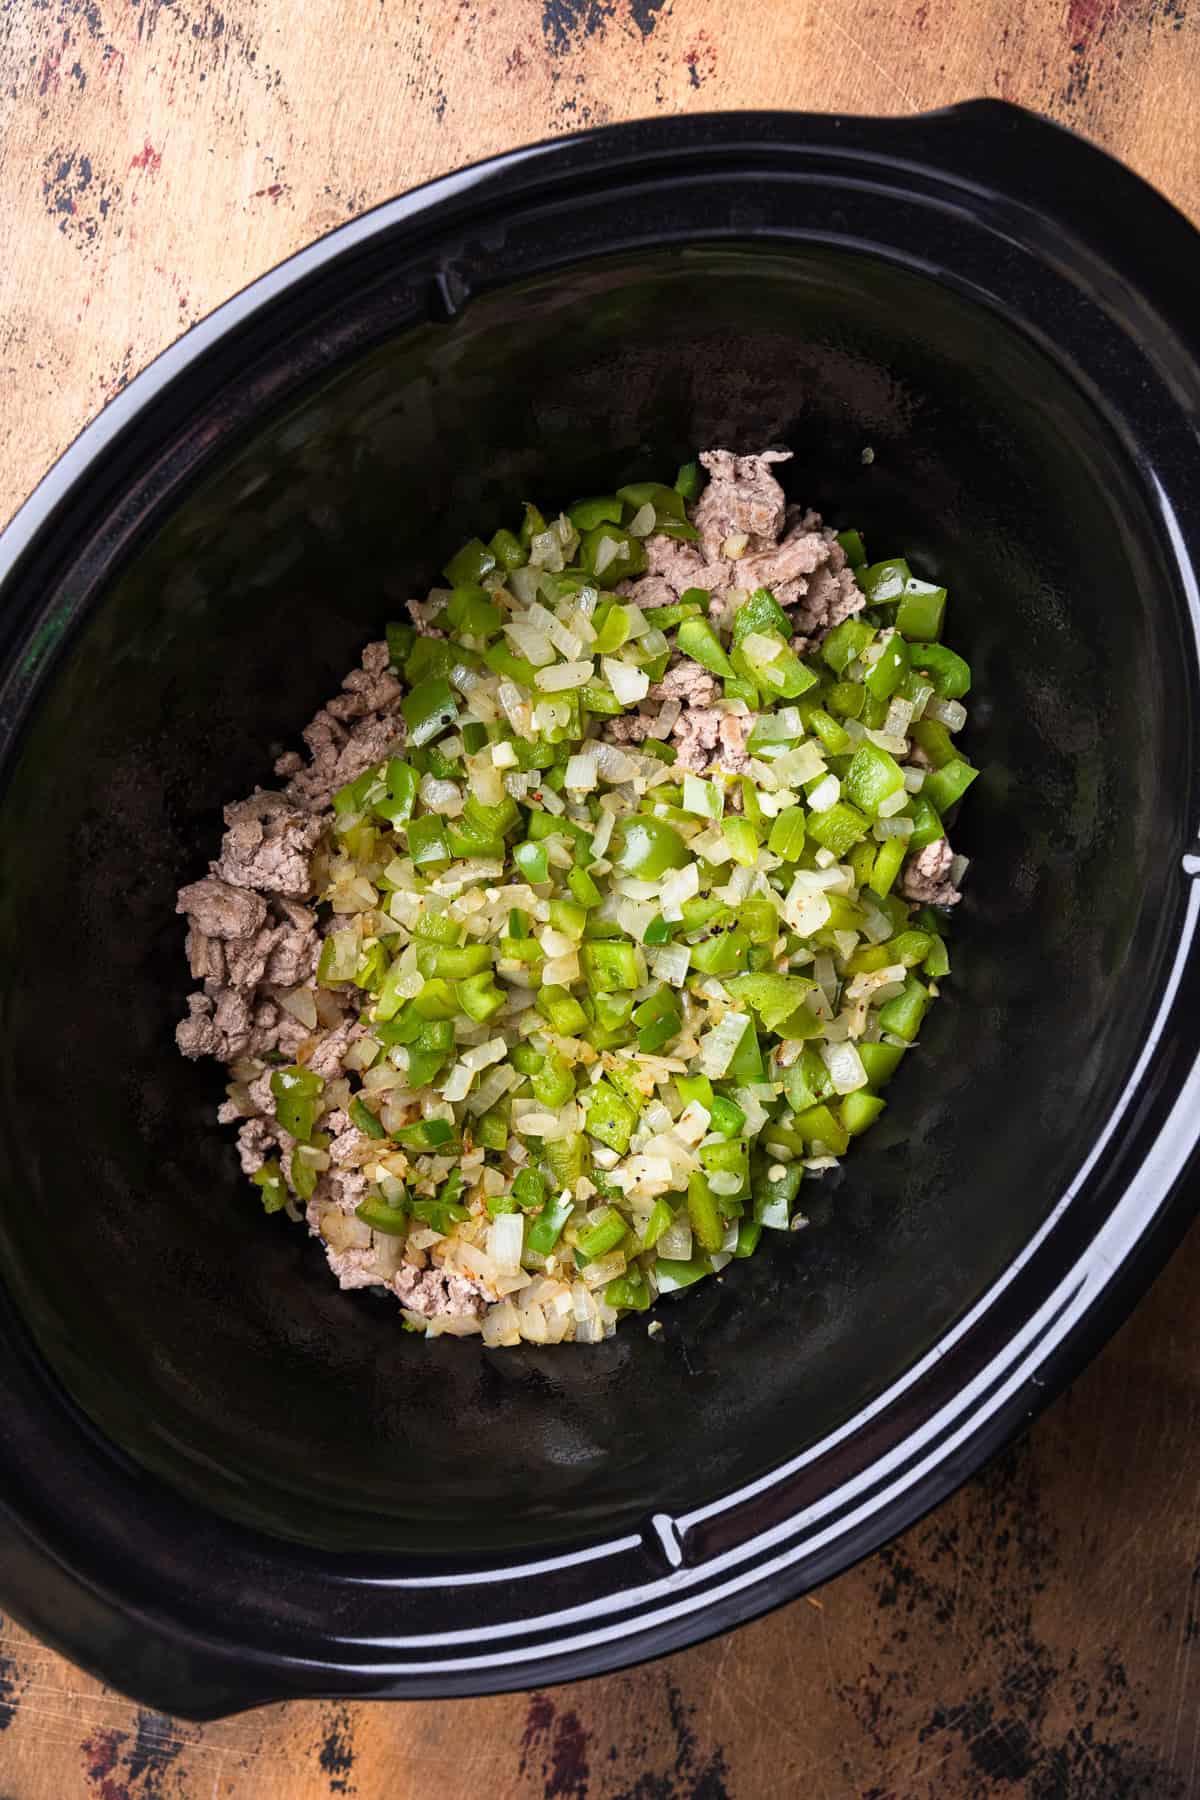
207 1340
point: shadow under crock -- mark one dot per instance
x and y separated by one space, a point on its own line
208 1340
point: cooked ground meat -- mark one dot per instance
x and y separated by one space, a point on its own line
742 498
649 591
356 1268
688 682
268 845
326 1059
733 731
740 517
630 728
436 1294
294 954
351 732
680 565
220 910
220 1028
926 876
696 733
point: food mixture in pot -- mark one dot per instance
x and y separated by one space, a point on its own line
610 895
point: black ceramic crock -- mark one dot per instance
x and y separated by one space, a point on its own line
224 1481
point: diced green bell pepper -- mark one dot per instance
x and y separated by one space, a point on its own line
376 1212
708 1227
585 515
646 847
697 639
872 778
845 642
672 1275
508 550
888 860
947 785
880 1061
469 565
297 1093
749 1233
860 1110
723 954
949 672
543 1232
628 1292
819 1126
772 996
629 558
838 828
902 1016
429 708
472 612
428 1134
727 1116
927 824
479 996
609 1116
658 1020
888 671
532 861
361 1116
689 483
269 1180
921 610
602 1235
661 1216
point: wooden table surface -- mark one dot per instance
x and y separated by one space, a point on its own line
1039 1634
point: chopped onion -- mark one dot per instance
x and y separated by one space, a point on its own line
614 765
671 963
668 713
952 713
642 522
893 804
827 793
675 1242
603 831
528 642
301 1002
886 828
762 649
678 886
505 1241
607 551
797 766
443 797
804 911
845 1067
899 716
562 676
515 708
628 683
580 776
717 1046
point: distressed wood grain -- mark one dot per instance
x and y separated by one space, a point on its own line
1039 1634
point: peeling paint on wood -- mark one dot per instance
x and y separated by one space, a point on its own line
1038 1635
